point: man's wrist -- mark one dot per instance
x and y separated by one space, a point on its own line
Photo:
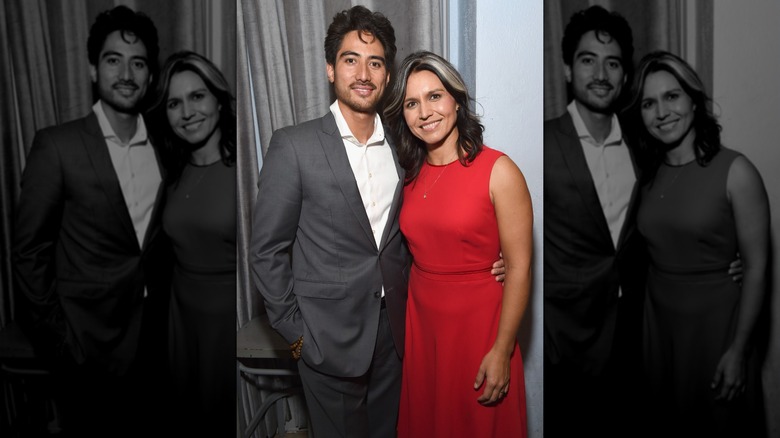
296 347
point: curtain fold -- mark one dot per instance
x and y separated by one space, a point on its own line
247 399
247 170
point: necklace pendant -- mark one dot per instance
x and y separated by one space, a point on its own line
425 195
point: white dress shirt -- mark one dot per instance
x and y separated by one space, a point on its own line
136 168
374 168
611 168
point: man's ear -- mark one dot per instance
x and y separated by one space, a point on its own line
93 73
331 72
567 73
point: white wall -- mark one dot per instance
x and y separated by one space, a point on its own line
746 88
509 95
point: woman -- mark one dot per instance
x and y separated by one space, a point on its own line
199 146
463 204
701 204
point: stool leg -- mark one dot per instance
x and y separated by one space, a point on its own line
280 417
9 399
273 398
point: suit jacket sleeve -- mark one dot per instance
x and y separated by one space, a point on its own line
274 226
38 221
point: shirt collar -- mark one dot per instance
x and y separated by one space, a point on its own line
139 138
615 136
376 139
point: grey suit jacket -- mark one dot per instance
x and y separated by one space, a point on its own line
314 258
583 271
77 260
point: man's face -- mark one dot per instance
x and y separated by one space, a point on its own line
596 74
122 72
359 76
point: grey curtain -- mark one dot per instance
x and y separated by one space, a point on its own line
656 25
282 81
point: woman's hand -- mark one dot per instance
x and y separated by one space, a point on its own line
499 270
735 270
729 378
494 374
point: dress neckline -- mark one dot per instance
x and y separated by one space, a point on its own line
440 165
678 165
201 166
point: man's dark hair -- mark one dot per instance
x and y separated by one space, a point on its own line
602 22
132 25
361 19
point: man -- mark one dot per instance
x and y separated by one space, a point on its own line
330 192
331 188
89 257
594 260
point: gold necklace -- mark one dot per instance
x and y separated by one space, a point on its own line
669 186
197 183
425 180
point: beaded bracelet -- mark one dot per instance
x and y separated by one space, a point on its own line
296 348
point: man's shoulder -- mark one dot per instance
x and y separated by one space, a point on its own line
560 130
72 126
324 123
564 121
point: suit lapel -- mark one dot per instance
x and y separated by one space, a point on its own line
630 224
391 227
333 147
154 222
96 149
575 161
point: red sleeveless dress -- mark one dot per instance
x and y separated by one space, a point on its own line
454 306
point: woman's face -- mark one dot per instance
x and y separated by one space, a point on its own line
667 110
429 110
192 109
